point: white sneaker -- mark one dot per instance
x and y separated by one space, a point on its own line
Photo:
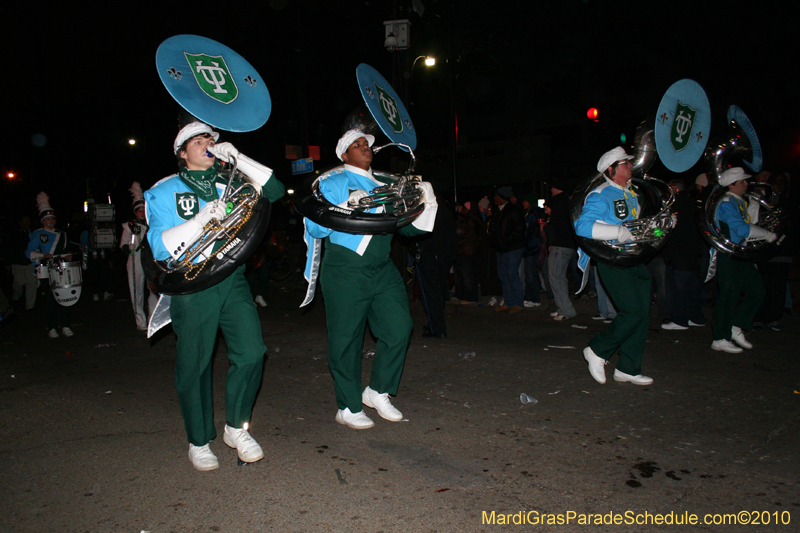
67 332
248 449
53 334
673 325
203 458
723 345
528 303
695 324
636 380
492 302
260 301
737 336
382 404
596 365
357 420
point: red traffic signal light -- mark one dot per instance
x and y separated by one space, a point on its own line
592 113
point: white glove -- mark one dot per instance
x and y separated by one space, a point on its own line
224 151
611 232
213 209
759 233
178 238
355 196
427 219
427 194
254 170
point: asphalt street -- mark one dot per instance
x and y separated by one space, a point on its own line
93 439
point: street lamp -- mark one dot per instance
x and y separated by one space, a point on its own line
429 62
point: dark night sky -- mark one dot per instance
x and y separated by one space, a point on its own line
86 80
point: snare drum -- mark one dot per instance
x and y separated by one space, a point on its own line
102 238
65 281
101 212
41 270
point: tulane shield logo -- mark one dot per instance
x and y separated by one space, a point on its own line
682 126
213 76
389 109
186 205
621 209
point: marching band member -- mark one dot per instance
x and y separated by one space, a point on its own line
45 243
178 208
360 283
133 233
736 278
605 209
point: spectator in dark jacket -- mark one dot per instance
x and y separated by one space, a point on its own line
507 238
533 241
469 232
683 254
560 238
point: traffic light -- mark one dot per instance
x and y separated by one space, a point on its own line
592 114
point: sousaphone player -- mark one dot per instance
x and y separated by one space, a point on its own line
185 211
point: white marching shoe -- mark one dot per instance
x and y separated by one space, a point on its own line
597 365
737 336
357 420
202 458
382 404
246 446
636 380
260 301
723 345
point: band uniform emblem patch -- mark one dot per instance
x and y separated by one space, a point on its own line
186 205
44 238
682 126
213 76
621 209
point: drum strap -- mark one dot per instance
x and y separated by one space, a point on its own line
55 243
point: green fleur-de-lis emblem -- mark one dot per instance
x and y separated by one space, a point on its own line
213 76
682 123
389 109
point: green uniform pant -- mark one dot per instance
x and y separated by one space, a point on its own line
195 319
629 289
353 295
736 278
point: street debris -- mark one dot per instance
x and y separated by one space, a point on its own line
524 398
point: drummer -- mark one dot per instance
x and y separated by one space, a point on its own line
45 244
